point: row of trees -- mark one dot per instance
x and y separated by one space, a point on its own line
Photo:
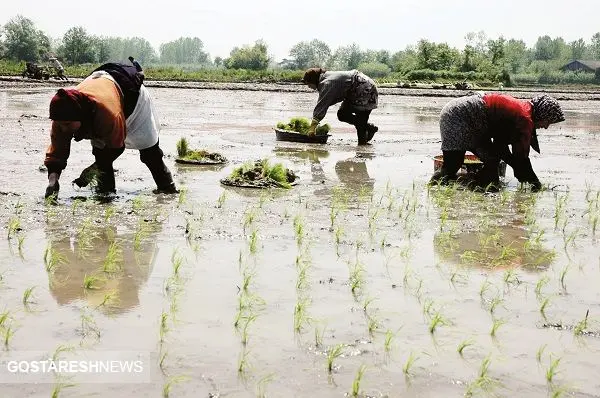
21 40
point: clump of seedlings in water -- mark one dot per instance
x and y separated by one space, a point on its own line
113 259
187 155
301 317
89 326
221 200
464 344
261 174
14 226
543 306
581 326
93 282
28 296
496 323
552 370
7 330
483 381
261 386
301 125
171 381
142 231
410 361
299 229
52 258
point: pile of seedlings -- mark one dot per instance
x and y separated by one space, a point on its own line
261 174
186 155
301 125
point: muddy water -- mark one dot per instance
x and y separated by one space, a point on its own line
361 256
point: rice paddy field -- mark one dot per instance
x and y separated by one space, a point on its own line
361 280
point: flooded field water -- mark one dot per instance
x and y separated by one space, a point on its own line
360 281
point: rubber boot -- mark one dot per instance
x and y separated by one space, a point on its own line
453 160
371 130
162 177
362 135
106 181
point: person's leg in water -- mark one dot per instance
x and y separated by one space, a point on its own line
153 159
106 173
453 161
359 119
488 178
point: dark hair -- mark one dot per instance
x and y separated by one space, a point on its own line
130 58
311 76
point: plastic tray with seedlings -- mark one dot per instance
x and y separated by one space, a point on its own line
296 130
185 155
261 174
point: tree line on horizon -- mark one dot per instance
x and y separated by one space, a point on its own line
494 59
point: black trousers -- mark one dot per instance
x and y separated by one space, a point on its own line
359 119
152 157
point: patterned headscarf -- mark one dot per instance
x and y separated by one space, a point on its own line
311 76
548 109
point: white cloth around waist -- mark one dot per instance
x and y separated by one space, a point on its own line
142 126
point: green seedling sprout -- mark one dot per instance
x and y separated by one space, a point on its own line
301 316
182 197
222 199
358 380
581 326
389 340
483 381
495 302
437 320
563 274
21 241
176 262
249 320
332 354
141 233
552 370
410 361
495 326
60 349
59 385
253 243
28 296
243 361
299 229
372 324
110 298
7 334
171 381
112 261
109 212
319 333
52 258
543 306
14 226
540 352
249 218
164 326
93 282
543 281
89 326
161 361
464 344
261 386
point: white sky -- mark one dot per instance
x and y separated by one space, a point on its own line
375 24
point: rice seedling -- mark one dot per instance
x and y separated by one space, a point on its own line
249 218
357 380
543 281
261 386
4 318
85 237
243 363
89 326
223 198
410 361
171 381
110 298
540 352
28 296
299 229
495 302
334 353
437 320
20 241
558 391
182 198
110 211
356 277
483 381
164 326
60 349
7 334
253 242
372 324
59 385
581 326
367 302
543 306
249 320
302 280
552 370
142 231
14 226
161 360
93 282
559 208
113 259
176 262
496 323
464 344
319 333
562 276
388 340
301 316
510 277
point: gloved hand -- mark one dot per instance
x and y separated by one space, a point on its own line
53 186
312 130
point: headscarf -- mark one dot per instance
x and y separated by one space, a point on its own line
545 108
311 76
71 105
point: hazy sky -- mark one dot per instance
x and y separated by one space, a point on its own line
375 24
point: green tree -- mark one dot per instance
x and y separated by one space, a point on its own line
78 46
185 50
578 49
404 61
516 55
246 57
23 41
218 62
314 53
346 57
496 51
594 47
